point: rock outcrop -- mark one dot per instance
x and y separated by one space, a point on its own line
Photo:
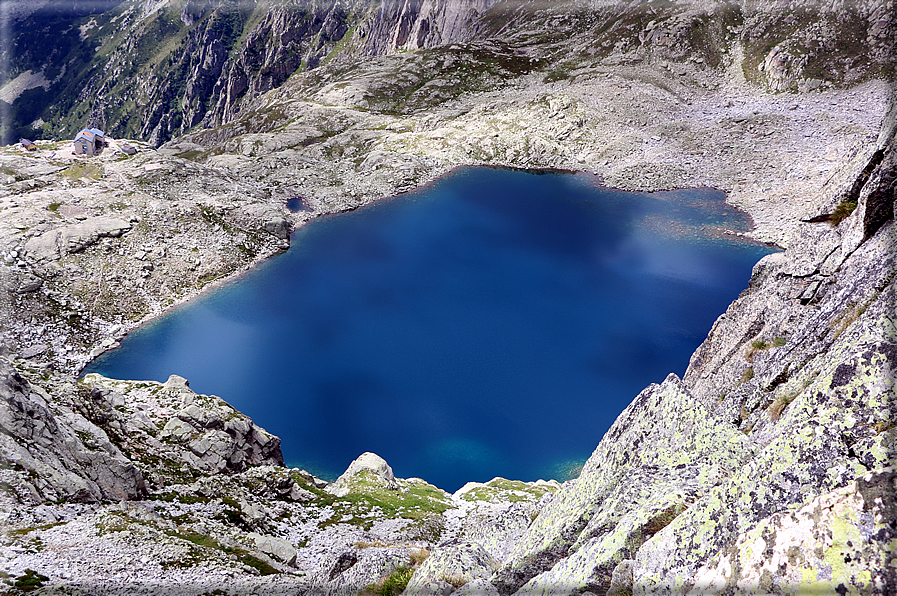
59 455
186 434
451 565
372 468
835 543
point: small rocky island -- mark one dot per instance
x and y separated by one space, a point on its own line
767 468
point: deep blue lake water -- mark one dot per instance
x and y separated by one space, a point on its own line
494 323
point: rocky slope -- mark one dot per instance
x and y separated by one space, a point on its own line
767 468
154 69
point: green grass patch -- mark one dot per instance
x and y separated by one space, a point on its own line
23 531
506 490
759 345
83 170
842 212
30 580
370 501
262 567
207 542
190 155
394 584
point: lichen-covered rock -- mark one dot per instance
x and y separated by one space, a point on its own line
451 565
496 514
663 451
841 542
621 580
830 430
353 570
478 587
594 564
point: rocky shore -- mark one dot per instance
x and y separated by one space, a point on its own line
767 468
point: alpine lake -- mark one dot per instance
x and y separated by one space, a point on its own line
492 323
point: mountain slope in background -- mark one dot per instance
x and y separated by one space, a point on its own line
154 69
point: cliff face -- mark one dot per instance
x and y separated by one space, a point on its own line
416 24
154 70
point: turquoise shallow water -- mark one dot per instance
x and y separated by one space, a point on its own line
494 323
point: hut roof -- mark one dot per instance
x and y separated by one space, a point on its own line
90 134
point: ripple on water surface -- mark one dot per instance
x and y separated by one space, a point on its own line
494 323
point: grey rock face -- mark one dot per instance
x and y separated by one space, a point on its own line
422 24
276 547
74 238
837 543
498 531
450 566
194 433
351 571
63 455
661 453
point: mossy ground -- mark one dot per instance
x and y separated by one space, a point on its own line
513 491
370 501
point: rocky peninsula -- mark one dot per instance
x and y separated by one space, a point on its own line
767 468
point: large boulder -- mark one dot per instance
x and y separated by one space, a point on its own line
450 566
353 570
368 467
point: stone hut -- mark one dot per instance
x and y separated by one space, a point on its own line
89 141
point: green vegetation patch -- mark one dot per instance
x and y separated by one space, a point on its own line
30 580
207 542
83 170
842 212
759 345
394 584
190 155
23 531
512 491
370 501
